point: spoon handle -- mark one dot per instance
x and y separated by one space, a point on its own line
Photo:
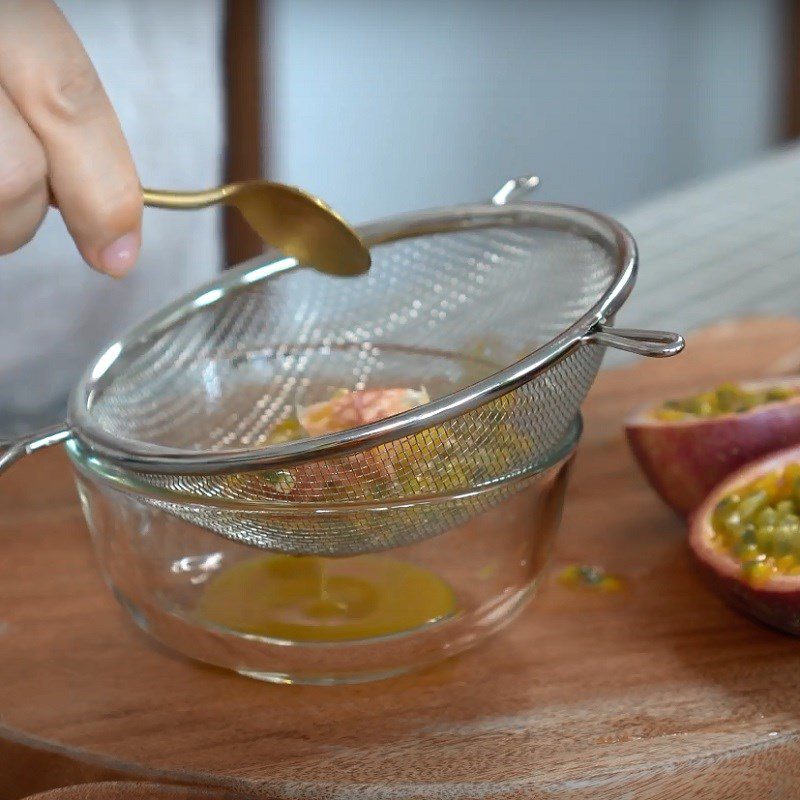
166 198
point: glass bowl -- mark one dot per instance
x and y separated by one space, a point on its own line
314 620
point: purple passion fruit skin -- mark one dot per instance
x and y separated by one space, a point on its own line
746 539
685 447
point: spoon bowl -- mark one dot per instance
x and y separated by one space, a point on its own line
296 223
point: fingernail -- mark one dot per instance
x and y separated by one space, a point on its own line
119 257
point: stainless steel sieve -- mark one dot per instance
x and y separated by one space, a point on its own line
501 310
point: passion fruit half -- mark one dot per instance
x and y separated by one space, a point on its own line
746 538
686 446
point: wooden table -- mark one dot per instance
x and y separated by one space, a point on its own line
133 790
658 692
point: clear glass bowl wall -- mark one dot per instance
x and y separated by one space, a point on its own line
159 568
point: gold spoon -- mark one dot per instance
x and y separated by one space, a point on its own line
295 222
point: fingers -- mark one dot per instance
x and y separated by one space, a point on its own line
48 76
23 179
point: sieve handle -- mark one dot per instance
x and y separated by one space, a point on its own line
656 344
14 449
515 189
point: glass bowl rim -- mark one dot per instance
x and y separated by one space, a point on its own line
94 467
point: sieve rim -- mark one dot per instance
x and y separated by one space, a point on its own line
151 458
120 479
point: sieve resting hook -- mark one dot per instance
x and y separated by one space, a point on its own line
655 344
515 189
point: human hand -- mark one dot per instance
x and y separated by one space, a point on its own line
61 142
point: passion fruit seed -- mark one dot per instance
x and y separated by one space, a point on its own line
580 575
760 525
726 399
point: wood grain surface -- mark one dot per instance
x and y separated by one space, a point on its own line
129 790
658 692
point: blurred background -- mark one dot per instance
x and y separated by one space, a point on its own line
390 105
385 106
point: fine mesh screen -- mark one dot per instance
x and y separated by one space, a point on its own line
440 311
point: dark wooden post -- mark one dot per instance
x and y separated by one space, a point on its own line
243 85
790 124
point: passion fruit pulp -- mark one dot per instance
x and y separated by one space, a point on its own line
746 538
430 462
350 409
686 446
726 399
343 410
